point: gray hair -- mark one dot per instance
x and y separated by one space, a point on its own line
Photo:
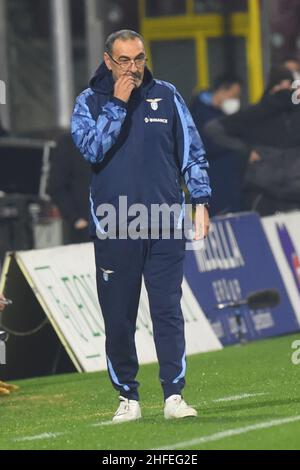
124 35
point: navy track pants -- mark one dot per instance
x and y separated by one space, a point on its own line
120 265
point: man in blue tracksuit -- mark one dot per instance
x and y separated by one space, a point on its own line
140 139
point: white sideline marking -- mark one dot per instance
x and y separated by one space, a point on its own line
230 433
46 435
238 397
104 423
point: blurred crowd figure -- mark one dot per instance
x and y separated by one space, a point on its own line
3 132
224 164
5 389
264 138
3 248
293 65
69 189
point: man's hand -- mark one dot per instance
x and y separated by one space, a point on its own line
80 224
124 87
254 157
201 222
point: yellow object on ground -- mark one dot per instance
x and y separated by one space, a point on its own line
5 388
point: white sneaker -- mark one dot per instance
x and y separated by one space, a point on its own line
129 410
176 407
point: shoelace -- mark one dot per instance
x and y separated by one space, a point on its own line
178 399
123 408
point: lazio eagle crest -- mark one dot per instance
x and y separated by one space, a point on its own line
154 103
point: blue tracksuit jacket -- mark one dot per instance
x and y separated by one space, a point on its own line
139 149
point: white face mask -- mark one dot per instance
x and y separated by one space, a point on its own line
231 106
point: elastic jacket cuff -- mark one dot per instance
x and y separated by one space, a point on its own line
118 102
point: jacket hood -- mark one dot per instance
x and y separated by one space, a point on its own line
103 82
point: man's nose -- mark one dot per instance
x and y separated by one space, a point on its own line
133 64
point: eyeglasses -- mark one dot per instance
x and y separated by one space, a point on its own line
125 64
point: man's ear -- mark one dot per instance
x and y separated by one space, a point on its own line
107 61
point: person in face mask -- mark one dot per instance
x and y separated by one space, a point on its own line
225 96
225 166
267 136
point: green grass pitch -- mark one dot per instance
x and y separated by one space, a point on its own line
247 397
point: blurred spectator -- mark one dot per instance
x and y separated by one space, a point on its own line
5 388
226 167
69 189
293 65
3 132
267 134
